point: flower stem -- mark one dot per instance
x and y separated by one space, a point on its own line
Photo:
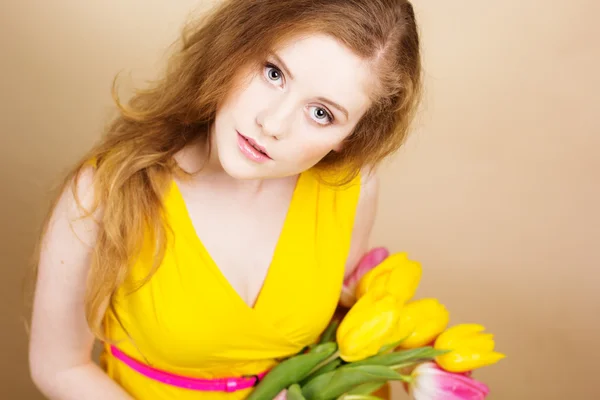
325 362
402 365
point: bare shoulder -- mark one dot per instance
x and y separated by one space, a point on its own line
68 240
70 234
73 210
366 211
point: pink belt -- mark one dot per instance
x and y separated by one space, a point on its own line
204 385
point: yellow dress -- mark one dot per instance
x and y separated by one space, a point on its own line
188 320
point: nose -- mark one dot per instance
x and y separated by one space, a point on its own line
274 119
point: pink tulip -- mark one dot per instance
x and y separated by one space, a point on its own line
370 260
430 382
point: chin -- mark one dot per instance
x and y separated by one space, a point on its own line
243 174
237 167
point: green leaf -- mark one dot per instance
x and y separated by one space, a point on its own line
367 388
335 383
399 357
294 393
290 371
329 333
391 346
324 369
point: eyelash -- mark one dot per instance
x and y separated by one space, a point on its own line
268 65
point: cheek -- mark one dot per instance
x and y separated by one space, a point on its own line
242 101
312 151
249 98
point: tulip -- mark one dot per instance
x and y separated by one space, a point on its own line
369 261
396 275
369 325
468 347
281 396
429 382
421 321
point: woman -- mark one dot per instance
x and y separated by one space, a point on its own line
208 234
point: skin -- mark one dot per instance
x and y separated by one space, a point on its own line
278 106
281 113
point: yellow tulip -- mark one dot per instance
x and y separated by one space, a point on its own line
369 325
396 275
469 348
421 321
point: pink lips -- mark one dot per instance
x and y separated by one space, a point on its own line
252 150
258 146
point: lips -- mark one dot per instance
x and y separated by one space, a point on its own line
258 147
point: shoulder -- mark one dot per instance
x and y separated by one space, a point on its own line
69 234
79 195
61 279
73 219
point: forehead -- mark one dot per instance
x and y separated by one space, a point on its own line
322 66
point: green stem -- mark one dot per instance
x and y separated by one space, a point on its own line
402 365
390 347
325 362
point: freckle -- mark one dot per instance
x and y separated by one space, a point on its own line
62 261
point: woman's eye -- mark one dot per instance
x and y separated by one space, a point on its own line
321 115
273 74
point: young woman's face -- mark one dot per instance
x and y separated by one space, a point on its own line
290 113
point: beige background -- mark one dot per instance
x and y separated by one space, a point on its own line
497 191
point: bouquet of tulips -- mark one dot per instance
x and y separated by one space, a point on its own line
386 336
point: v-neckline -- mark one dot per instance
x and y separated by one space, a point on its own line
274 258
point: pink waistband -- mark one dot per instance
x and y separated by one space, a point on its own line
204 385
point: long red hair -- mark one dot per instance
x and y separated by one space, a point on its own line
134 159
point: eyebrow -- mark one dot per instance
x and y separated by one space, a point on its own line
334 104
322 99
283 66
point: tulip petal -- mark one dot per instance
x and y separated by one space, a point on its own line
469 348
370 324
367 282
369 261
457 332
421 321
481 342
493 357
433 383
427 393
404 280
426 387
460 385
460 362
379 279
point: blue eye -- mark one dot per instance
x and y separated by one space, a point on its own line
320 115
272 73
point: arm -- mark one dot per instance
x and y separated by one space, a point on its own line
61 344
364 220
